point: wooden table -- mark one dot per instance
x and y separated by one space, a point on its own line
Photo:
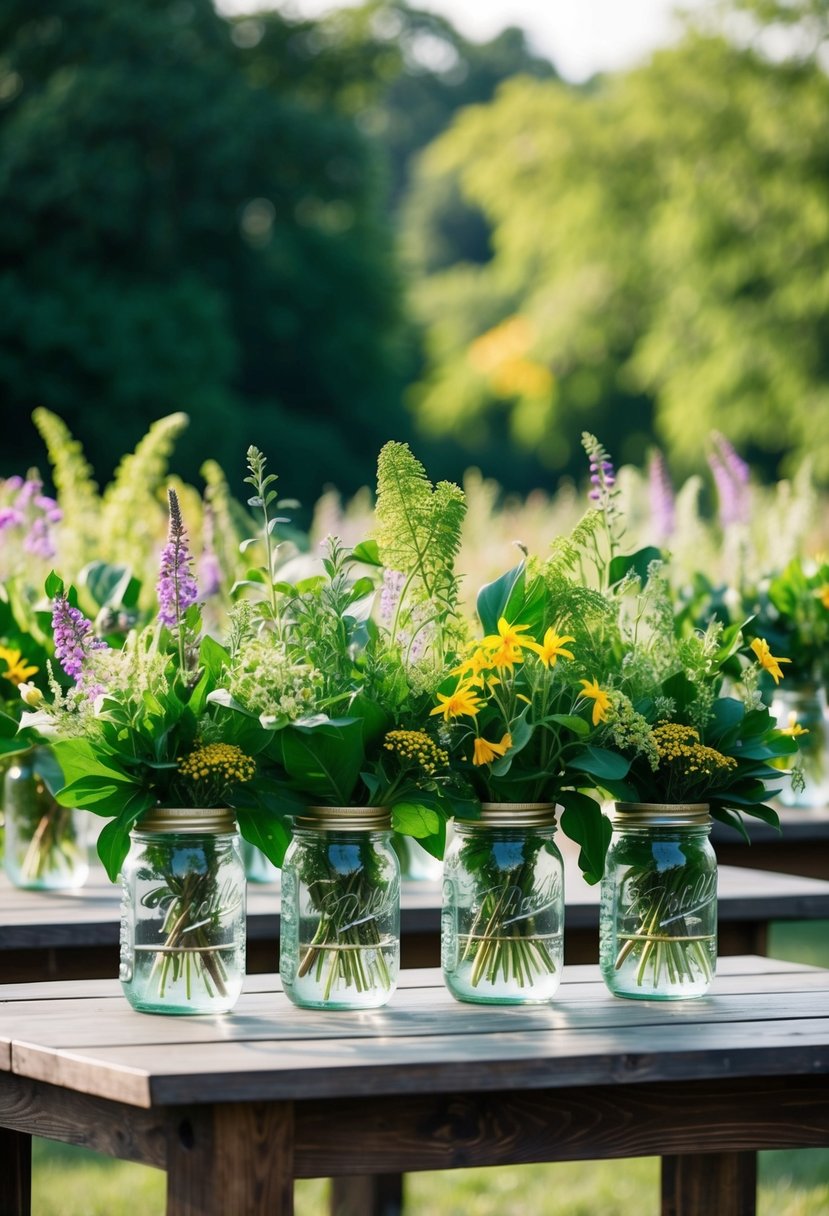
801 848
75 935
235 1107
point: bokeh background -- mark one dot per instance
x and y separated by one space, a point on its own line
316 228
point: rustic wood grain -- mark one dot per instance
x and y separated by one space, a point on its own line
115 1130
721 1183
234 1158
462 1130
16 1173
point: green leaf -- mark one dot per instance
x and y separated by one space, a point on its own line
637 562
266 830
114 838
54 585
368 552
600 763
415 819
108 584
324 758
494 598
583 821
572 721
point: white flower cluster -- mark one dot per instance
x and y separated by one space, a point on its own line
266 682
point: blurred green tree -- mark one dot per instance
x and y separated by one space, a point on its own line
178 235
660 251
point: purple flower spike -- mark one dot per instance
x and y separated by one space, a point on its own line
74 639
393 581
663 509
731 477
177 588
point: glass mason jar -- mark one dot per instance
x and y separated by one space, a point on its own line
183 913
502 938
340 929
658 922
45 844
804 705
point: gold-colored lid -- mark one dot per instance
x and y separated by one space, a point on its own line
661 814
513 815
345 818
187 819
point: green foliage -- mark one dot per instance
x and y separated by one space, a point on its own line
178 234
658 256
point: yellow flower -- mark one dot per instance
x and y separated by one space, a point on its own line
464 700
507 637
485 752
505 656
552 648
17 669
474 665
767 660
599 697
823 595
794 728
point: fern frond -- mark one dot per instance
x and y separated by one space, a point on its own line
418 526
76 491
568 551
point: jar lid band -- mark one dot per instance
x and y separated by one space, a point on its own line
661 814
513 815
187 819
345 818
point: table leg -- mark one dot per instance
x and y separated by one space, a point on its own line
721 1183
229 1159
367 1195
16 1173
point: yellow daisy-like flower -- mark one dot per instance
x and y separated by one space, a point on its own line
462 702
552 648
506 657
474 665
768 661
507 637
17 669
794 728
484 752
601 701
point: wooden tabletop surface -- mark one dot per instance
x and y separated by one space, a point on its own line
762 1018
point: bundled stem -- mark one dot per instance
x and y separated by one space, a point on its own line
663 942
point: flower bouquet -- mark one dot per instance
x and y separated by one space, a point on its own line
692 750
140 743
346 697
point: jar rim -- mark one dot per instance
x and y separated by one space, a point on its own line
512 815
215 820
661 814
344 818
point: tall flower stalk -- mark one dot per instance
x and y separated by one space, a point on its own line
177 588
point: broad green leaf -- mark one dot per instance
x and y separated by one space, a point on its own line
114 838
572 721
54 585
267 831
583 821
324 759
637 562
600 763
415 819
367 552
494 597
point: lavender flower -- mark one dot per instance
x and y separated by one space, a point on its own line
74 639
602 473
10 517
209 566
177 588
731 477
393 583
663 509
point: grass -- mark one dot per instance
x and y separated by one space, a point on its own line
73 1182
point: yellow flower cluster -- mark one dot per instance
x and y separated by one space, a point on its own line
680 745
417 747
224 761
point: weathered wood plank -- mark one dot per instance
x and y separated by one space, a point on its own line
266 1070
434 1132
126 1132
725 1183
231 1159
16 1173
